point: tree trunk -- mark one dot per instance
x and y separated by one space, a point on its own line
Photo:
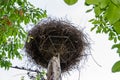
54 69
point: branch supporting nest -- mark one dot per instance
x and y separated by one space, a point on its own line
54 69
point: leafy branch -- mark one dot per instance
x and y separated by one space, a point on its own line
39 75
107 20
13 16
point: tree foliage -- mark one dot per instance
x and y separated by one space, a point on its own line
70 2
107 20
13 15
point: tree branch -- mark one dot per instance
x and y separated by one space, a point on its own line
23 68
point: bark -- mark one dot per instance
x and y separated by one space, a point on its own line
54 69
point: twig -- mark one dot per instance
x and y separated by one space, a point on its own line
95 61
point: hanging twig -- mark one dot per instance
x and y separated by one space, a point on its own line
95 61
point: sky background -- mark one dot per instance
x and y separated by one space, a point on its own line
100 45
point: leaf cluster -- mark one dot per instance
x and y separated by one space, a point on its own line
13 15
107 20
38 76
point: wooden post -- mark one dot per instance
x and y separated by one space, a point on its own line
54 69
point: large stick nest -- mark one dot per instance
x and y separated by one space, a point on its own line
51 37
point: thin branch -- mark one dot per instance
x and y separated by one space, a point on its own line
95 61
23 68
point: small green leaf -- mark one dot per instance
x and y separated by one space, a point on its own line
118 37
115 40
103 3
111 37
70 2
95 2
92 28
97 11
91 20
116 67
111 33
99 29
117 27
89 10
116 2
95 22
117 46
29 38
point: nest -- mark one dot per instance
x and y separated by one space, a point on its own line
51 37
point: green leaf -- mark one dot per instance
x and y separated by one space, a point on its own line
117 27
97 11
89 10
95 22
118 37
117 46
70 2
92 28
91 20
99 29
116 2
103 3
115 39
95 2
111 37
29 38
111 33
112 13
116 67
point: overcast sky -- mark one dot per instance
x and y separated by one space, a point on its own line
101 46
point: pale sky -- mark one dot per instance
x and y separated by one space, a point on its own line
101 46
